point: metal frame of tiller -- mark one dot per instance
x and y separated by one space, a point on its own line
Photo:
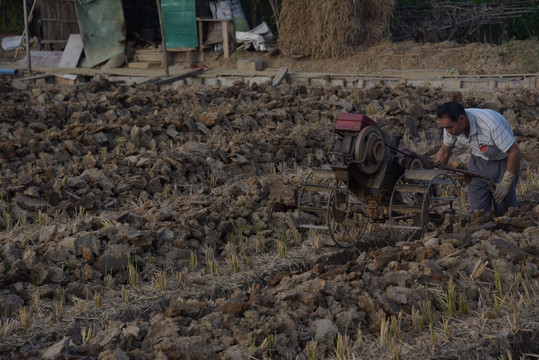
371 182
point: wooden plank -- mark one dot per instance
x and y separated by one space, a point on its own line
226 48
200 36
182 49
157 55
148 73
72 52
43 58
142 65
151 57
279 77
179 77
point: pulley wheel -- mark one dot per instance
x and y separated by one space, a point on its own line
369 150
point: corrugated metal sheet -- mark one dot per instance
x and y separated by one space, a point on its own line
102 27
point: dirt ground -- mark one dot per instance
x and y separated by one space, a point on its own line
161 222
515 57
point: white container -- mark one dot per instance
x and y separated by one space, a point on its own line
11 42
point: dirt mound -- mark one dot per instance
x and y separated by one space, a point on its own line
515 57
136 224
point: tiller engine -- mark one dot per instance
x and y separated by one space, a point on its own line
372 182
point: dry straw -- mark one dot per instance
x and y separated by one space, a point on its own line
332 28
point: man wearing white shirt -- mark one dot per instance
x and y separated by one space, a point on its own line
495 153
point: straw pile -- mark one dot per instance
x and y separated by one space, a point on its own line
331 28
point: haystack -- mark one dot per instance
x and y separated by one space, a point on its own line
331 28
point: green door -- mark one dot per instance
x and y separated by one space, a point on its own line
180 23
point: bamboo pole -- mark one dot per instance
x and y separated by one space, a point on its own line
276 12
25 27
27 39
163 38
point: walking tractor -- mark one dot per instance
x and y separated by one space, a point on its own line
371 183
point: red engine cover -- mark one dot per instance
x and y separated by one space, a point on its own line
352 123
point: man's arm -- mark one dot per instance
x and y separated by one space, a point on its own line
513 158
443 154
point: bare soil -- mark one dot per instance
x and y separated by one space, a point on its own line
147 222
516 57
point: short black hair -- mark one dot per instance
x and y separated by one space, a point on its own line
451 110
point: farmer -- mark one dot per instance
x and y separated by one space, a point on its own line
495 154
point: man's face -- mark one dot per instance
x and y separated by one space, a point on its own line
454 128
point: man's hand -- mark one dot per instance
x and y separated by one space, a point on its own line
443 154
503 186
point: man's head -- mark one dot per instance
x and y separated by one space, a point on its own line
453 118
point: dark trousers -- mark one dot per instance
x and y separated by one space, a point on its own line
480 196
